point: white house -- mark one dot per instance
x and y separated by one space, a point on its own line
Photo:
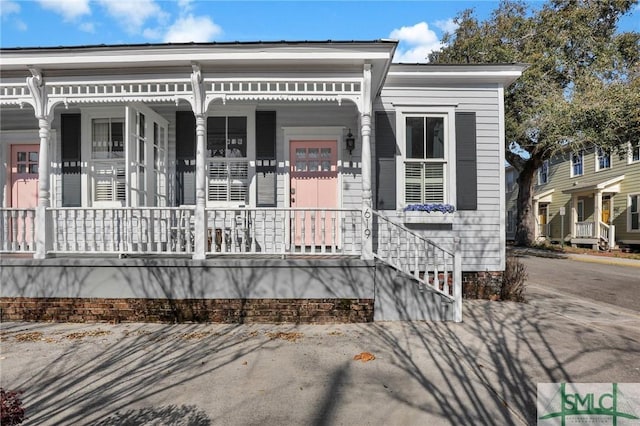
247 182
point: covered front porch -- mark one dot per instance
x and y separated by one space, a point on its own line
133 195
592 213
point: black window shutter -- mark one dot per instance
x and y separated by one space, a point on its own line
185 135
266 169
385 160
70 135
185 157
466 162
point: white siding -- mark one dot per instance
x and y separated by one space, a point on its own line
480 230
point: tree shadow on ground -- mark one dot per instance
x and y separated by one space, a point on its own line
486 370
147 360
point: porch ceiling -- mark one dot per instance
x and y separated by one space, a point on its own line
544 197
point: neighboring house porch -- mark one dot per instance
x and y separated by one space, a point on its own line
595 200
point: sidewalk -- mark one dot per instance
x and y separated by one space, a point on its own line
483 371
593 258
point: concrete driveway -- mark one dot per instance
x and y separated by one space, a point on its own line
483 371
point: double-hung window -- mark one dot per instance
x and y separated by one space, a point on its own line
543 173
634 213
108 160
228 165
425 163
603 159
576 164
635 152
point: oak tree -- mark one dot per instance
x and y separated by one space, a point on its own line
581 88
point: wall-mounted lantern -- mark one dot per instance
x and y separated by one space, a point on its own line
350 142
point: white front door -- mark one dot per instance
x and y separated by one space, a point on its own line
147 156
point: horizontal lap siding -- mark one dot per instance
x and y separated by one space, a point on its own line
481 244
560 179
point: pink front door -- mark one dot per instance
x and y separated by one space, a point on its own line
24 176
24 188
314 185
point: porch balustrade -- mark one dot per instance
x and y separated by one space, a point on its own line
283 231
585 230
544 229
126 230
171 230
17 230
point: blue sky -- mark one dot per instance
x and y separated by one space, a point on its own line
418 25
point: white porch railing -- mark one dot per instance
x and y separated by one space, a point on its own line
585 230
419 258
604 231
284 231
17 230
544 229
126 230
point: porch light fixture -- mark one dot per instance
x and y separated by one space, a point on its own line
350 141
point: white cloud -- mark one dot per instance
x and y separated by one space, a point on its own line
69 9
20 25
416 42
185 6
87 27
417 34
133 14
447 26
8 7
192 28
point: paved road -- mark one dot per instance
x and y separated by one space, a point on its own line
611 284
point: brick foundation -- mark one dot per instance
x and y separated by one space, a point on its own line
481 285
305 311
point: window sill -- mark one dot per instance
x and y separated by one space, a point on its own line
426 217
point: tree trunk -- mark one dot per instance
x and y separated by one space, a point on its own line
526 221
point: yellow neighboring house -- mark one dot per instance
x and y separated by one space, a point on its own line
586 198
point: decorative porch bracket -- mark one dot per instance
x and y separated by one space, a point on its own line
43 112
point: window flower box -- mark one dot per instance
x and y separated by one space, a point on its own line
428 213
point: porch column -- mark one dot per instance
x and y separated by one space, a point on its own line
574 214
199 110
597 209
365 131
43 223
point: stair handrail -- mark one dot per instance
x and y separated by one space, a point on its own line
421 259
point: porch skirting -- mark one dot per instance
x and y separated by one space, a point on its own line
235 311
265 290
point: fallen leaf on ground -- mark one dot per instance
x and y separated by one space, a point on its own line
196 335
91 333
364 357
291 337
29 337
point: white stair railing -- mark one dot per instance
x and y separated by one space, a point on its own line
604 231
417 257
